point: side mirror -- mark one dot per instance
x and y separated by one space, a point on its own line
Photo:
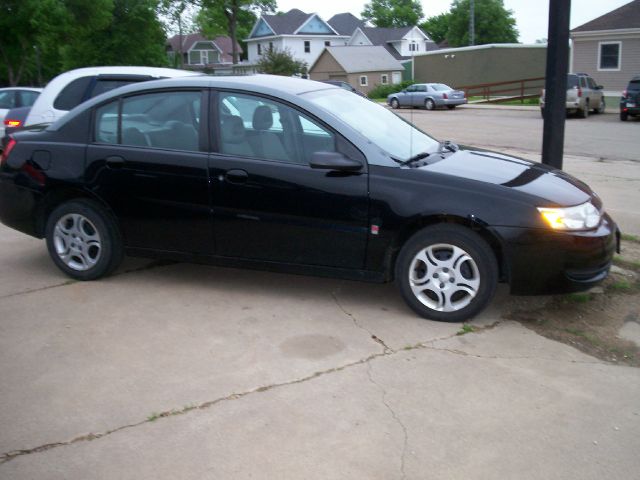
599 87
333 161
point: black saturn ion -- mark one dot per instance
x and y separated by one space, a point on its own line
302 177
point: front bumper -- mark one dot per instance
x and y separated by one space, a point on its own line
544 262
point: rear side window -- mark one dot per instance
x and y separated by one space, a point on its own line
169 120
8 99
27 98
591 82
72 95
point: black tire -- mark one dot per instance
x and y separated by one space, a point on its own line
584 112
101 255
451 107
429 104
624 116
602 106
395 104
482 269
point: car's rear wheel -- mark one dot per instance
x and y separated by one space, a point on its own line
446 273
395 104
584 112
624 116
83 240
429 104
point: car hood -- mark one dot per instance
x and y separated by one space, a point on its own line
550 186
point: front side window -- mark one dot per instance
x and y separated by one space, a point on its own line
257 127
609 56
168 120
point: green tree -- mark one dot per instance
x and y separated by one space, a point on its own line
493 23
234 18
280 62
437 27
393 13
29 33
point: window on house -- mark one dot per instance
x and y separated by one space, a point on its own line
414 47
327 43
259 49
384 79
609 56
194 57
307 46
270 45
363 81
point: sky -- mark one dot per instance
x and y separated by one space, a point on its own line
531 16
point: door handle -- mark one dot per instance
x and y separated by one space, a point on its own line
236 176
115 161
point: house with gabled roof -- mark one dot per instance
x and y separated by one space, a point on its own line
346 23
608 47
305 35
201 53
402 43
363 67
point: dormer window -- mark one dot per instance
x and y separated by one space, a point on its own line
414 47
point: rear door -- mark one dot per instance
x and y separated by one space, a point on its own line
148 161
268 204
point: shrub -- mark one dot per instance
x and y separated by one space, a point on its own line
382 91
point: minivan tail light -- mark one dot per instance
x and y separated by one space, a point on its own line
579 92
7 150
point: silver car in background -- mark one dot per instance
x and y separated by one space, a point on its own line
427 95
583 95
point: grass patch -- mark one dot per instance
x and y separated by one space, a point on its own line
582 297
621 285
466 328
153 417
630 238
628 264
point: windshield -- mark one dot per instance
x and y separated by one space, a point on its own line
440 87
395 136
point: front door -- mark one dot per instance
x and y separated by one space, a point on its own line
149 164
268 204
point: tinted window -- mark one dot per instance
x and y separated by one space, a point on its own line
421 88
27 98
102 86
440 87
591 83
572 81
162 120
8 99
634 85
73 94
261 128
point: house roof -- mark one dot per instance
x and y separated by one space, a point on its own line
364 58
287 23
345 23
386 36
222 42
627 16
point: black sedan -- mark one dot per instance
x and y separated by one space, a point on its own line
301 177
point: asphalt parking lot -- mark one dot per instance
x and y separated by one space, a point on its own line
197 372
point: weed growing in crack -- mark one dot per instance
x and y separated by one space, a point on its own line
153 417
466 328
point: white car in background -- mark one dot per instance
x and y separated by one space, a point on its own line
74 87
15 97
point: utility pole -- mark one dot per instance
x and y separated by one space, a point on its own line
472 22
555 97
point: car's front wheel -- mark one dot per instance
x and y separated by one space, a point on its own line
584 112
446 273
83 240
395 104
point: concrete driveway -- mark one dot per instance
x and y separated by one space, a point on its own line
196 372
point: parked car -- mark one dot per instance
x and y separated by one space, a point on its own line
71 88
345 85
427 95
202 168
583 96
14 121
630 101
14 97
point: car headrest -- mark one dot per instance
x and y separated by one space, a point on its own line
232 130
262 118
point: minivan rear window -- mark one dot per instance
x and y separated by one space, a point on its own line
72 95
572 81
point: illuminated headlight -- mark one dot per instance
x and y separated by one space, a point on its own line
579 217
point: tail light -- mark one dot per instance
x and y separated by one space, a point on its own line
12 123
579 92
7 150
445 96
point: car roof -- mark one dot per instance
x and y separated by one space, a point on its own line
274 85
31 89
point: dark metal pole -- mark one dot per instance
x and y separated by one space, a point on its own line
555 110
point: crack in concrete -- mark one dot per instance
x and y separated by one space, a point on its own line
386 348
149 266
405 444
